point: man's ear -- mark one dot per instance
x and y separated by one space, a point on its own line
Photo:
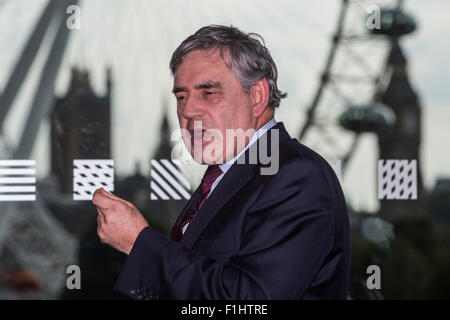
260 97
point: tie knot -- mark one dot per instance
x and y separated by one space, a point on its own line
211 174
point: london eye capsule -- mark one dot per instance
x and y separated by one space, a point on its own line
395 23
369 118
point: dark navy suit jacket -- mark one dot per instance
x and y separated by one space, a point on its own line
282 236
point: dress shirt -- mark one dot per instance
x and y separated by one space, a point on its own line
226 166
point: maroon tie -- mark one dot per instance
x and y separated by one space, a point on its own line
211 174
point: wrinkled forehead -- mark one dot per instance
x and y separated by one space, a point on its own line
201 66
213 56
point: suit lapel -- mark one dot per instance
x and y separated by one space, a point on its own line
188 205
232 182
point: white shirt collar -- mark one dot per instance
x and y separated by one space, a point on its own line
269 124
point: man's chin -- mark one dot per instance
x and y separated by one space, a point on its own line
206 159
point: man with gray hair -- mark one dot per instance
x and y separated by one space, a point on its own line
247 232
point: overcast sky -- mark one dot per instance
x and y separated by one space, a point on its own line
137 37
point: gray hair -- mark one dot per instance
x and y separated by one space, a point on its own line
249 59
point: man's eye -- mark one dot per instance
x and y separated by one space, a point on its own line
208 93
180 98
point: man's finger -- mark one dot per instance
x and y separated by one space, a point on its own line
102 201
101 217
114 197
108 194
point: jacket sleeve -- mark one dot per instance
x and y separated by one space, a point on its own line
288 235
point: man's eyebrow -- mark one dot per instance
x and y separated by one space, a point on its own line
179 89
209 85
204 85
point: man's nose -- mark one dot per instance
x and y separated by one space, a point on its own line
192 109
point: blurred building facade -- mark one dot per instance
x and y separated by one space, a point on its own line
80 127
403 139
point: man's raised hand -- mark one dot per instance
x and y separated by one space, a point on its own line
119 222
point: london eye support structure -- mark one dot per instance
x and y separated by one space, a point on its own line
35 250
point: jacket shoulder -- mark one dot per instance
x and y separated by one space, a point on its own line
295 155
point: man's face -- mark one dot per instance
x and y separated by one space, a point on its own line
209 93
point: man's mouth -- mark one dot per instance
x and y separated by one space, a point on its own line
198 137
